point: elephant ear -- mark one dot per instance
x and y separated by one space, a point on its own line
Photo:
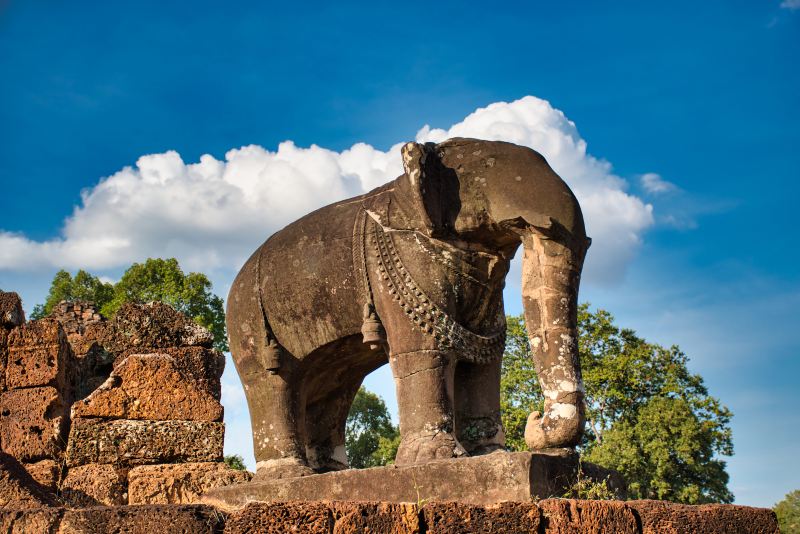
432 188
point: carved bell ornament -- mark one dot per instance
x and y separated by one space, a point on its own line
272 355
372 329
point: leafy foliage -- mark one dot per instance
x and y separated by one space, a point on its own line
587 488
154 280
788 512
520 393
648 417
665 452
83 286
235 461
370 437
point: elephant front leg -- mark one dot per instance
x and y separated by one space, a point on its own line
424 382
477 398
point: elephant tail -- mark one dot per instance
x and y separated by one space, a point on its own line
253 345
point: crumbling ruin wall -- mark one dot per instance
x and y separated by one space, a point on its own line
125 414
551 516
112 412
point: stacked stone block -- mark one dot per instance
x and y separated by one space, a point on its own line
90 405
158 407
76 317
35 360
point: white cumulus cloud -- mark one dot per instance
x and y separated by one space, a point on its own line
213 213
790 4
654 184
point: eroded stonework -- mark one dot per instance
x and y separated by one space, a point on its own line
180 483
149 387
83 400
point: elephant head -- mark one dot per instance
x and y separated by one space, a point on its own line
496 196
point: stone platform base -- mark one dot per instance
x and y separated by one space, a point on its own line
550 516
479 480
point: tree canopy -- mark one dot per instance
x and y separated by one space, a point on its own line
83 286
648 417
788 512
370 437
235 461
154 280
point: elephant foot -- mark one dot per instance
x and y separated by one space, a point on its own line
282 468
482 435
487 449
324 459
425 447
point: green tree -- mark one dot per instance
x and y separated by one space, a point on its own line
370 437
788 512
235 461
83 286
648 417
520 393
154 280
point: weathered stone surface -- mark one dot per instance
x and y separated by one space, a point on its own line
38 355
75 316
571 516
386 518
179 519
149 386
91 335
18 490
201 364
132 442
479 480
153 325
4 333
35 520
91 370
32 423
11 313
179 483
659 517
279 517
45 472
95 484
456 518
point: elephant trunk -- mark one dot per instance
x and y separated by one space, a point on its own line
550 280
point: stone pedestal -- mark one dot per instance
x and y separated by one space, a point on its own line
479 480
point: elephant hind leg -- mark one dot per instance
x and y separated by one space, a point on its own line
325 429
271 383
477 398
276 414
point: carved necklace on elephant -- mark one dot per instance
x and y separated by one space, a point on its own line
430 318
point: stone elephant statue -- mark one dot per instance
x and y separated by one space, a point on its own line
412 273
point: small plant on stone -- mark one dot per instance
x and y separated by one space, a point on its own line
420 501
587 488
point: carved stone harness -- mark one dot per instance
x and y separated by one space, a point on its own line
369 238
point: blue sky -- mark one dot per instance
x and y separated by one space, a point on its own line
702 97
